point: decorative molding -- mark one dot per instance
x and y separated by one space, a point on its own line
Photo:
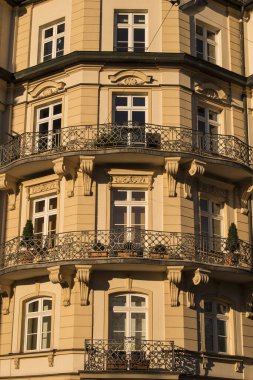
50 360
197 168
171 167
83 273
5 292
63 276
245 192
9 184
130 78
64 167
42 188
211 91
174 275
201 276
137 179
213 190
191 299
16 362
86 168
47 88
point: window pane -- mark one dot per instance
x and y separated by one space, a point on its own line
32 342
121 101
52 224
199 30
213 115
222 309
121 117
57 109
122 35
210 35
118 300
216 209
204 225
45 340
40 206
139 101
201 111
138 325
216 227
47 305
209 334
211 53
200 48
43 113
122 19
120 216
32 327
49 32
33 307
208 307
139 19
52 203
203 205
48 48
59 46
138 196
138 117
43 128
138 301
139 35
138 216
120 195
39 226
119 322
56 125
60 28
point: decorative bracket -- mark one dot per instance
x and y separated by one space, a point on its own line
174 275
5 292
197 168
66 168
204 362
245 193
64 277
86 168
171 167
83 273
201 276
249 307
9 184
16 362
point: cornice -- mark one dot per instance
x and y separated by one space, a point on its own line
6 75
179 60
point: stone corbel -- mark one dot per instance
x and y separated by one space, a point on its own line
64 277
249 307
191 299
204 363
9 184
197 168
16 362
86 168
244 195
50 360
174 275
201 276
66 168
83 273
171 167
5 292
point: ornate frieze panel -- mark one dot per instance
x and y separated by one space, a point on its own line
135 179
174 275
9 184
218 193
130 78
211 91
42 188
47 88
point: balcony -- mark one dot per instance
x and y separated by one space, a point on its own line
111 138
138 355
130 245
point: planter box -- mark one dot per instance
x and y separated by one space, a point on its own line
128 254
231 258
99 254
157 255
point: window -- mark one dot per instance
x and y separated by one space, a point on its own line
210 223
216 326
45 216
48 127
128 317
130 29
52 41
130 111
206 43
38 321
208 128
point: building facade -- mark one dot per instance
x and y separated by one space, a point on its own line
126 174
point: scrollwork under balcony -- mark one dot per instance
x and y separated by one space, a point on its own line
107 137
142 246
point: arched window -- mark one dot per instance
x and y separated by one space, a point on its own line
216 319
38 322
128 316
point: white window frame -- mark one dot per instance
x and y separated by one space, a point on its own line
52 39
129 203
130 26
130 107
128 310
207 41
207 121
44 214
49 119
214 316
208 214
40 314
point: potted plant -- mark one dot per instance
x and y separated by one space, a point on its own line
98 250
27 242
158 251
232 246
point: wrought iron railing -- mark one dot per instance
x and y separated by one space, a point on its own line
109 136
125 243
132 354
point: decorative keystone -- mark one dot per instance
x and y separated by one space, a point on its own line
9 184
197 168
63 276
174 275
5 292
86 168
171 167
66 168
83 273
201 276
